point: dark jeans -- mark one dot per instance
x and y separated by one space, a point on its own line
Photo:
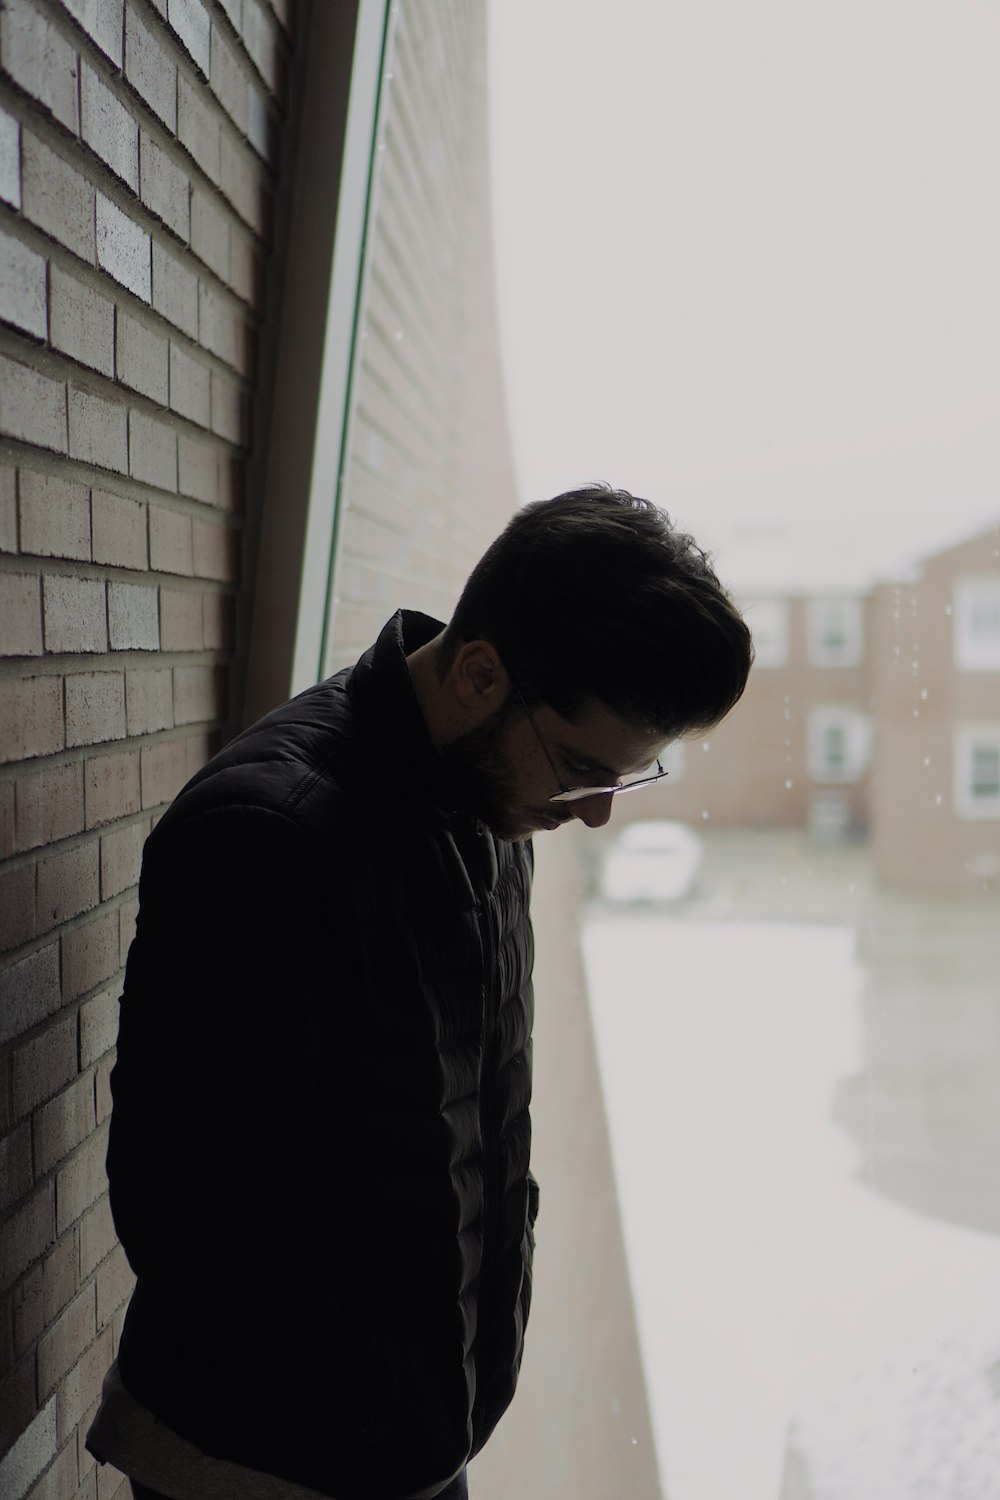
457 1490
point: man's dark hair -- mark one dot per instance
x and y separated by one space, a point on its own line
596 594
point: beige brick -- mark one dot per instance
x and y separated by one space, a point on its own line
199 694
165 189
115 1284
22 287
111 786
31 717
40 59
89 954
29 1318
216 551
149 695
78 1395
119 531
26 1236
198 472
175 291
59 1276
17 906
29 991
75 614
190 386
263 43
164 771
50 805
98 431
219 622
10 159
82 322
27 1432
99 1025
133 617
150 68
95 708
190 20
21 613
44 1065
261 131
229 410
68 884
171 541
244 185
102 1089
152 450
246 269
62 1344
218 324
8 509
16 1177
32 407
55 516
141 357
198 126
109 128
57 198
229 82
7 844
121 856
102 20
97 1236
82 1180
181 620
210 232
63 1123
123 249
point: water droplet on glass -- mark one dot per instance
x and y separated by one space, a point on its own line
923 694
938 800
704 744
927 760
788 713
704 812
947 609
916 713
788 783
398 335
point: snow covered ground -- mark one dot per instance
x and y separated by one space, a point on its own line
804 1337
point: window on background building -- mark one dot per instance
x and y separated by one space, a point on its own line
835 632
976 617
839 739
768 621
977 772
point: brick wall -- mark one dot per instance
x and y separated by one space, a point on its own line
138 151
428 471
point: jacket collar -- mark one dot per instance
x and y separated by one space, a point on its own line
384 699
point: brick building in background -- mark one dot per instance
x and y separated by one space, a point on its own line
873 710
250 402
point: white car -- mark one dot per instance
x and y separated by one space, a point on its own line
652 861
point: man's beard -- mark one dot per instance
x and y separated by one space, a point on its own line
479 777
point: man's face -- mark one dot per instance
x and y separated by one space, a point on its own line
504 775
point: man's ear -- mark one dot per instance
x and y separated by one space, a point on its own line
478 680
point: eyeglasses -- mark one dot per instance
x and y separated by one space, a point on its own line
578 793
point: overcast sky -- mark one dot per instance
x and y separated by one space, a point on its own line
748 258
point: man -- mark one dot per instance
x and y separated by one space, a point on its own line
319 1145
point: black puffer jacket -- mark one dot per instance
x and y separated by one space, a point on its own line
319 1145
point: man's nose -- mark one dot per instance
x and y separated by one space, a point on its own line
594 811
